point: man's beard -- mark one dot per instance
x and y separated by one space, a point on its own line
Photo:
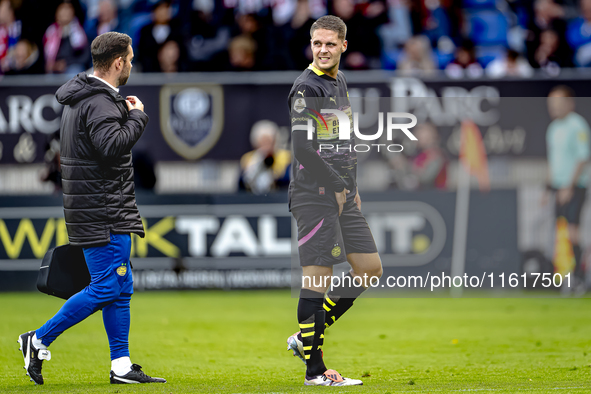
124 77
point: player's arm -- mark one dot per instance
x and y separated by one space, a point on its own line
582 154
109 137
303 148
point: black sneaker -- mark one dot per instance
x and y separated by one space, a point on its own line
136 375
33 357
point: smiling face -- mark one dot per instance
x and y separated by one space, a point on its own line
327 49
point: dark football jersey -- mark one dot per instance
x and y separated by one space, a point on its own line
322 163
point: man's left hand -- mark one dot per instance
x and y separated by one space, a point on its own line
358 200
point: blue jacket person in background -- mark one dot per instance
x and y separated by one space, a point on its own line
98 129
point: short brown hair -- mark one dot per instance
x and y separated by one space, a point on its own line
566 91
107 47
332 23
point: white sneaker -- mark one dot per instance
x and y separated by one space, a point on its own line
331 378
295 344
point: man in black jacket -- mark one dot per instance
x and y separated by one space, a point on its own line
98 129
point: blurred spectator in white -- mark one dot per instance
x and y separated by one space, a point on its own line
152 36
464 63
417 57
169 57
511 65
105 21
428 168
10 28
266 167
578 35
64 44
242 53
24 59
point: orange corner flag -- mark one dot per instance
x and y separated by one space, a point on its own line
473 153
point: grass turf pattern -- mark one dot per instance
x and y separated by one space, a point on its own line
234 342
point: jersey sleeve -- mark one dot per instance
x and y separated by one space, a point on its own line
305 103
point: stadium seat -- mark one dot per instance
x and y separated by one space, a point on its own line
479 4
487 27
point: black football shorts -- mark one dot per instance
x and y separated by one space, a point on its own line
325 238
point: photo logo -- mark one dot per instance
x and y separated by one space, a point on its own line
394 122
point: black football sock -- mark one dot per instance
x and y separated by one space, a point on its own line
340 298
579 273
311 318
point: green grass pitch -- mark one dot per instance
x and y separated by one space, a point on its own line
234 342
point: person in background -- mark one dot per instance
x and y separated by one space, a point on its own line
10 29
551 55
52 171
567 142
465 63
169 55
64 43
242 53
154 35
511 65
24 59
105 21
428 168
266 167
417 57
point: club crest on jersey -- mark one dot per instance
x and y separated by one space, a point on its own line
336 251
299 105
191 118
321 191
121 271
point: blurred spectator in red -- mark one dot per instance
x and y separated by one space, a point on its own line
64 44
242 53
152 36
10 28
511 65
428 168
465 63
362 21
417 57
24 59
169 55
105 21
266 167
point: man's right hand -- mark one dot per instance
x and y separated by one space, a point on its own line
134 103
341 199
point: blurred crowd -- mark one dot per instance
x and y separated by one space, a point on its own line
465 38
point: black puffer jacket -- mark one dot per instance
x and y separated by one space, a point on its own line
97 134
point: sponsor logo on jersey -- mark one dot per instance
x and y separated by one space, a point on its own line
299 105
191 118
